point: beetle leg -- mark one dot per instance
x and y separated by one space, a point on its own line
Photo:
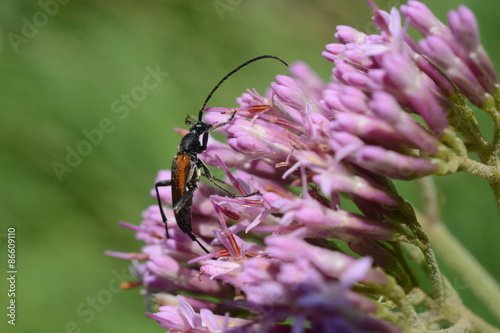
177 210
208 175
181 203
216 181
216 126
205 135
162 183
204 143
177 207
190 120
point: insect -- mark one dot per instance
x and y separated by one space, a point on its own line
187 167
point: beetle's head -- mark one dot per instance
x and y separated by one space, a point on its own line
200 128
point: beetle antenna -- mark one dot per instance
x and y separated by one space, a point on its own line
200 114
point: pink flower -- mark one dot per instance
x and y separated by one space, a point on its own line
311 236
184 319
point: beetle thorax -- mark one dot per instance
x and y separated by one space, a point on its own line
190 143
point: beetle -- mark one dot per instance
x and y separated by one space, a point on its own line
186 166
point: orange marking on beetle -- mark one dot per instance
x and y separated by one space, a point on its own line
181 170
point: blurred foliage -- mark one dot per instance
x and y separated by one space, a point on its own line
67 72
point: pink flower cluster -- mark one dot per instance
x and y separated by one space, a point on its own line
308 149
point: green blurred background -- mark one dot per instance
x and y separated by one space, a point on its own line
68 76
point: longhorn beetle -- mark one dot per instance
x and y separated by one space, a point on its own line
186 166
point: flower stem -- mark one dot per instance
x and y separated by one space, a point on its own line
395 293
489 173
457 256
478 324
490 156
474 275
422 242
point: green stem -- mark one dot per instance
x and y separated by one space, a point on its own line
496 191
475 276
489 173
463 119
490 156
396 294
478 324
434 273
458 257
422 242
